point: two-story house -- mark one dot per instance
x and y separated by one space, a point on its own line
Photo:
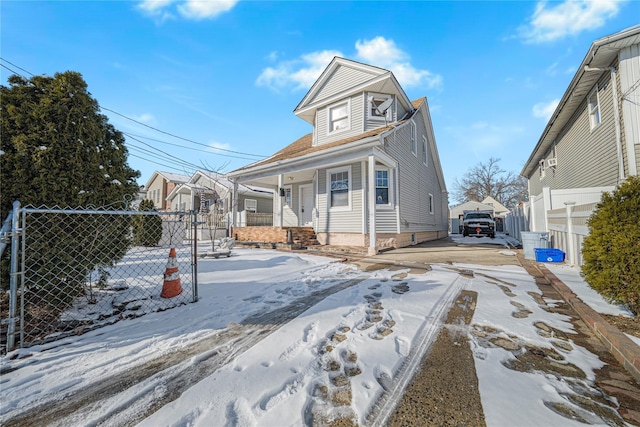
368 175
591 143
160 185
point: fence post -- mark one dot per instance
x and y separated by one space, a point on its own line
13 277
570 242
194 256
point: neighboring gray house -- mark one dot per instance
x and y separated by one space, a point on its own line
368 175
591 143
209 191
160 185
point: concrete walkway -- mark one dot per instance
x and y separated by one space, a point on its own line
624 350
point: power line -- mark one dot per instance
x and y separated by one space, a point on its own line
169 156
133 136
13 71
184 139
18 67
252 156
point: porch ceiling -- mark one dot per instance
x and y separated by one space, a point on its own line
292 177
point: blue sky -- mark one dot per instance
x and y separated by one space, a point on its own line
225 76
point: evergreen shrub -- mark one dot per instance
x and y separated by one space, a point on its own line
611 252
147 228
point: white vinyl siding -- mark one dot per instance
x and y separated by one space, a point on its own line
356 111
343 78
417 182
629 75
586 157
340 220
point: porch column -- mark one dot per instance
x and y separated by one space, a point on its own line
279 198
371 191
234 207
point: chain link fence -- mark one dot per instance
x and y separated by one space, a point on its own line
74 270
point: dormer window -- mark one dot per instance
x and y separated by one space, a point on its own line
339 119
375 101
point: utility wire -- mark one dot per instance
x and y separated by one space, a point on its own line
252 156
133 136
184 139
19 68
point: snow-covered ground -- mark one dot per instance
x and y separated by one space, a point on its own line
370 334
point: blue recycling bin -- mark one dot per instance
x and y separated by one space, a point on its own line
549 255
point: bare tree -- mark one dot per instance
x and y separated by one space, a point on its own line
489 179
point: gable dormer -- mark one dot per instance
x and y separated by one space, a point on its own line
345 101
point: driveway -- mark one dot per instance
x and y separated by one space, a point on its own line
466 250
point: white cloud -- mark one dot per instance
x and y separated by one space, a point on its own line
558 20
146 118
190 9
202 9
219 145
302 73
385 54
545 110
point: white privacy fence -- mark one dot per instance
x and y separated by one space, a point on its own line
517 221
568 227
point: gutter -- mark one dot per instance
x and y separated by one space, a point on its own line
531 163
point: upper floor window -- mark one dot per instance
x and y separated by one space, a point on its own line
414 142
339 187
339 119
375 101
424 150
594 108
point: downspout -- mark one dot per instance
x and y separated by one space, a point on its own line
616 114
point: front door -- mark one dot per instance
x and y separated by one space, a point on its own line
306 204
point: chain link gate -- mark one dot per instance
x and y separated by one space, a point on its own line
74 270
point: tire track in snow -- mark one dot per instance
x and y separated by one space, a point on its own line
133 395
394 387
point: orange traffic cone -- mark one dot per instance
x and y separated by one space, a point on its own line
171 286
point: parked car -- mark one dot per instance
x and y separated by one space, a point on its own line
479 224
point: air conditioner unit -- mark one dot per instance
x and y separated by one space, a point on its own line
553 162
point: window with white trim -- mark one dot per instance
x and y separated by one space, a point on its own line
414 143
287 195
339 119
339 188
424 150
251 205
594 108
431 203
375 99
383 187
